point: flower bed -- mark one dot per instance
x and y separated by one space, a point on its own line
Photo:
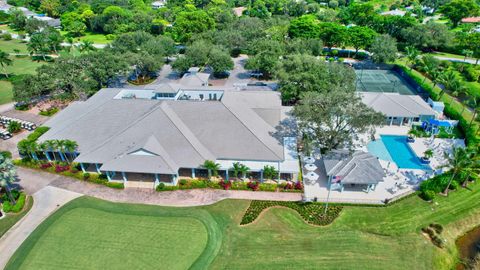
312 213
69 170
232 185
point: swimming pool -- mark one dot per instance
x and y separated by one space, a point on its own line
395 148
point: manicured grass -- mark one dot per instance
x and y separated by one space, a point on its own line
23 65
360 238
450 55
12 218
6 93
95 38
10 45
92 234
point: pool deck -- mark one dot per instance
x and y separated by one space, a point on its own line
397 182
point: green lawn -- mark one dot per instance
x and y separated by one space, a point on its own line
6 93
10 45
23 65
10 220
95 38
90 233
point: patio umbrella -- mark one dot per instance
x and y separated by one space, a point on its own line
311 176
311 167
309 160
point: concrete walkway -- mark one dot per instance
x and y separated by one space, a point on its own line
32 180
46 201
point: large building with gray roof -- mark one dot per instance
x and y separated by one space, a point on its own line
144 136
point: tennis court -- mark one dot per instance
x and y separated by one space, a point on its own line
369 80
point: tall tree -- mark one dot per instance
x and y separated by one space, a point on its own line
456 10
361 37
333 118
298 74
412 55
384 49
455 163
7 175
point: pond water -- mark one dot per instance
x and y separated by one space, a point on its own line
468 246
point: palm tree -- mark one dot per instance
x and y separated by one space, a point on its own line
212 168
86 46
60 147
71 147
5 61
428 64
7 175
412 55
50 145
45 147
32 148
236 169
456 162
244 169
447 79
472 166
474 102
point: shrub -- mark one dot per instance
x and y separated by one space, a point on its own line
86 176
454 186
8 207
437 227
437 241
102 176
182 182
226 184
470 73
14 127
116 185
239 185
299 185
49 112
253 185
428 195
61 168
163 187
267 187
45 166
6 154
15 194
429 231
7 36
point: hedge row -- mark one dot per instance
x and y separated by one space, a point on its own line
69 170
230 185
20 202
312 213
453 108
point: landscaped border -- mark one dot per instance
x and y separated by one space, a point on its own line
13 218
312 213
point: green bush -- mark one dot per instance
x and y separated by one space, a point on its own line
86 176
6 154
312 213
14 127
437 227
8 207
470 73
116 185
183 182
267 187
239 185
49 112
163 187
6 36
454 186
428 195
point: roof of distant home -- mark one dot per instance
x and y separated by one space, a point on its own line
471 20
397 105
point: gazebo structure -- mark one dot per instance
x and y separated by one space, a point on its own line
360 170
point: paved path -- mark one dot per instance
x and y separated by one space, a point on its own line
46 201
32 181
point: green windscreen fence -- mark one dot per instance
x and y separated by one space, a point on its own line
382 81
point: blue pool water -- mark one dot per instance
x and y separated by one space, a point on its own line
395 148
